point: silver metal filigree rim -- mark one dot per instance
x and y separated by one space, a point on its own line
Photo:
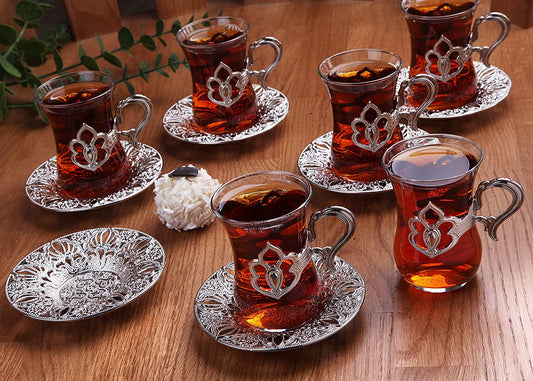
494 86
272 104
314 164
85 274
215 308
42 188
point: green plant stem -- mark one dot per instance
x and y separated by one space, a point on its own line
22 30
76 64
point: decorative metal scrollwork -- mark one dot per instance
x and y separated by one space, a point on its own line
372 128
224 88
91 150
432 234
444 62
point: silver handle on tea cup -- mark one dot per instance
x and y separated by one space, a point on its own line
486 51
412 116
262 75
346 216
492 223
132 134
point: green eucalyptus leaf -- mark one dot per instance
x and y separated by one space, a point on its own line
174 62
143 70
191 19
221 13
125 72
19 22
159 27
40 112
8 34
112 59
100 43
34 60
9 68
33 80
148 42
175 27
33 25
89 62
108 71
58 61
29 10
162 41
81 52
162 72
33 46
46 6
157 60
130 87
125 38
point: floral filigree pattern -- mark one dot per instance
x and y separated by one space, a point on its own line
315 165
42 188
221 90
85 274
215 309
95 151
438 235
371 129
453 54
272 108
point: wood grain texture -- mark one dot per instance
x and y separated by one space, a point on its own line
481 332
87 18
519 11
172 8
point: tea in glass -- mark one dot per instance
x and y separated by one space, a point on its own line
437 246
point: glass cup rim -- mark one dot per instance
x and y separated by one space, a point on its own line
385 160
365 83
78 74
438 18
183 31
306 186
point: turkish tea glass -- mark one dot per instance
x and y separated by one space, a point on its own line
277 286
91 161
223 99
366 109
442 46
437 246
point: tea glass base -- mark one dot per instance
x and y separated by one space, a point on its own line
494 86
439 290
216 311
315 165
272 108
42 188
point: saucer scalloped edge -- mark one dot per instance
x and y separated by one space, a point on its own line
314 164
43 190
215 308
494 86
272 108
85 274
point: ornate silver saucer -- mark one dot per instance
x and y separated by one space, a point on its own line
43 190
273 107
494 86
314 164
85 274
214 307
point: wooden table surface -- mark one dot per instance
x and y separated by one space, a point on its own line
483 331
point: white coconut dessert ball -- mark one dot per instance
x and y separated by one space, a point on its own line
183 196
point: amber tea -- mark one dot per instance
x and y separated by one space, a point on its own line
450 168
434 22
69 106
302 302
277 286
437 246
348 159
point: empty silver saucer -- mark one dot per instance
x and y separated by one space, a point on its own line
272 108
43 190
494 86
314 164
215 310
85 274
